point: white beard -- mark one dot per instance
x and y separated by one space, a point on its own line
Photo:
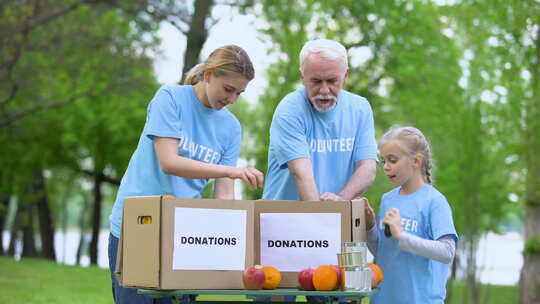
326 107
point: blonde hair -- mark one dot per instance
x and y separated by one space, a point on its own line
416 143
222 61
328 49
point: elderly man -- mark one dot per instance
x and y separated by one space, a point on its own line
322 144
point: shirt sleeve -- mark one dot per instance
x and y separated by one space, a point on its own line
164 116
288 138
373 240
231 154
440 219
365 146
441 250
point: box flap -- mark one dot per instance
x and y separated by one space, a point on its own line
358 216
141 241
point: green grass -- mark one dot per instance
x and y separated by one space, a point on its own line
493 294
36 281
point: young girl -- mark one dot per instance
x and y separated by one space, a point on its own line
416 258
188 138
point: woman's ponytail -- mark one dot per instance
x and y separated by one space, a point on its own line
195 74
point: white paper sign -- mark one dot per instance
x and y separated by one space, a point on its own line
209 239
294 241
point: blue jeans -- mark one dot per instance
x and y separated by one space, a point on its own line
269 299
323 299
124 295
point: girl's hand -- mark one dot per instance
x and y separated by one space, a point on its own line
393 220
251 176
370 216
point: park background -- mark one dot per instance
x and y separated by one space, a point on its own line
76 77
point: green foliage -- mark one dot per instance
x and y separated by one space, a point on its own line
84 80
532 245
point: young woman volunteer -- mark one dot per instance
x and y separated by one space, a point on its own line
189 137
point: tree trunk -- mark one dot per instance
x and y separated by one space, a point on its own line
530 273
64 224
471 289
4 206
452 280
5 196
29 245
196 35
14 233
96 219
82 228
44 214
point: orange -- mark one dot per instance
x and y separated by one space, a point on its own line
273 277
325 278
376 275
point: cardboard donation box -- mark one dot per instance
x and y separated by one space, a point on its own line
294 235
177 243
173 243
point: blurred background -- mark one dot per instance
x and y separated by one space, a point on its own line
76 77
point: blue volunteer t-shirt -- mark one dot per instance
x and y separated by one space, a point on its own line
410 278
334 141
204 134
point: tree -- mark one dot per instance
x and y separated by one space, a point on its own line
78 57
506 39
95 54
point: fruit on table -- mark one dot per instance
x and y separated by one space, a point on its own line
305 279
376 274
338 270
273 277
325 278
254 277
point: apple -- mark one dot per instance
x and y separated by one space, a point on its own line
254 277
338 270
305 279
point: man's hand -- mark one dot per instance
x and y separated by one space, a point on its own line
329 196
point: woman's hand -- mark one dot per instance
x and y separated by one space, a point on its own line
329 196
251 176
393 220
370 216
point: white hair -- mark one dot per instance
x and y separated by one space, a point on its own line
328 49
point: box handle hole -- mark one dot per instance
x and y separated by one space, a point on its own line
357 222
144 220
